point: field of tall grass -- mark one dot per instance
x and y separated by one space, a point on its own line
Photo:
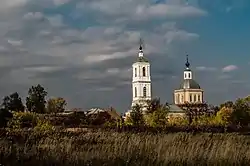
113 148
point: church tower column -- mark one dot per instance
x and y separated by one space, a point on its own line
141 81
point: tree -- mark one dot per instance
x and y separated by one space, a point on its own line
5 116
225 116
157 113
228 104
35 101
13 103
136 116
56 105
241 114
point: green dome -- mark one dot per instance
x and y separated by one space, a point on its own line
189 84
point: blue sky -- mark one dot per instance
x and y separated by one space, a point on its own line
83 50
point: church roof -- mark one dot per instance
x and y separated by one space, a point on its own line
189 84
141 59
175 109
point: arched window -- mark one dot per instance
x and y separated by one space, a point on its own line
135 72
135 92
194 98
143 71
189 75
199 98
144 92
185 75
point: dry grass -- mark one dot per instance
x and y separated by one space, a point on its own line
111 148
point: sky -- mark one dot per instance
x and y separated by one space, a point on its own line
83 50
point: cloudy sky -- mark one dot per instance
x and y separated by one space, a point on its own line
83 50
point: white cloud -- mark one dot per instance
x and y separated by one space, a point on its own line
180 35
61 2
141 9
33 16
204 68
15 42
56 20
229 68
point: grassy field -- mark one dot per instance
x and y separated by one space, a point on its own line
111 148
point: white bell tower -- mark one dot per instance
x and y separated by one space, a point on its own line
141 81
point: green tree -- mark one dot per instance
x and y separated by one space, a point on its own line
228 104
56 105
5 116
136 117
35 101
157 113
13 103
241 114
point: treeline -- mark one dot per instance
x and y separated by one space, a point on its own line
35 103
41 114
227 114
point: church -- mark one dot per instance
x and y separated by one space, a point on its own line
189 90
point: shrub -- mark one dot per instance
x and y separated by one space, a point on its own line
206 120
172 120
43 127
22 120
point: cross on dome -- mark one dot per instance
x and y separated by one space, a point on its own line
187 63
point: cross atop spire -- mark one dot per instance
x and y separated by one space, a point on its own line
141 43
187 63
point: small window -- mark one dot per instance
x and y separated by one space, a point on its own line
135 92
194 98
135 72
199 98
189 75
185 75
190 98
143 71
144 92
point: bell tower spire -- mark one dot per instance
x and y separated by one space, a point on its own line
187 63
187 71
140 48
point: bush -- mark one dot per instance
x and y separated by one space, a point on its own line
206 121
172 120
43 127
23 120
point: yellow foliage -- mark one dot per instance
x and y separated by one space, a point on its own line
206 120
175 120
23 119
44 127
225 116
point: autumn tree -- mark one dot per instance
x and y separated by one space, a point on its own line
156 113
56 105
13 102
35 101
225 116
136 116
